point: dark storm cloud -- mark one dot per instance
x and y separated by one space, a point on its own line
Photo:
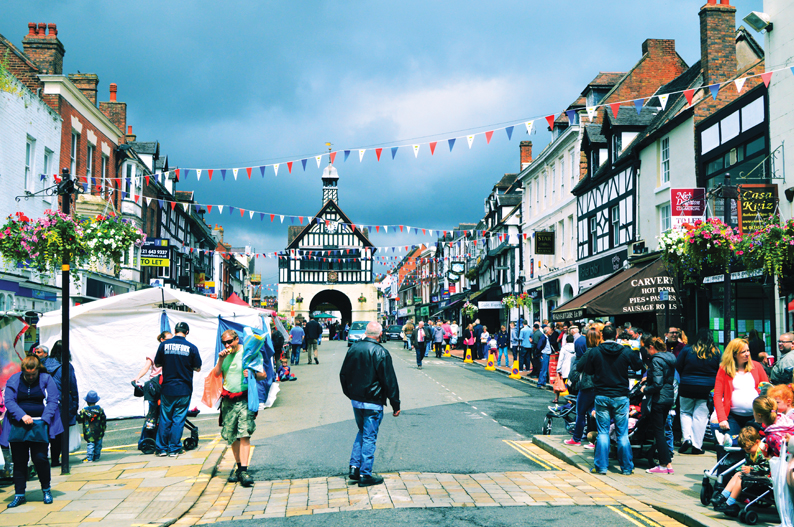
242 83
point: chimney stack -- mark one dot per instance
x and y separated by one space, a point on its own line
114 110
44 48
526 153
86 83
130 137
717 41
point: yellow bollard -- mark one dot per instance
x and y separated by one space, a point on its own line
514 373
446 352
468 356
491 361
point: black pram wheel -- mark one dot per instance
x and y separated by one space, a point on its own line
706 492
147 446
750 517
191 443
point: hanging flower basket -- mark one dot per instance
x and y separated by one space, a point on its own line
704 244
362 299
42 244
770 248
299 299
469 309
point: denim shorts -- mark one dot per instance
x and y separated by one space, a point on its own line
237 420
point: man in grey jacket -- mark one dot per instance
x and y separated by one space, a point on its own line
782 370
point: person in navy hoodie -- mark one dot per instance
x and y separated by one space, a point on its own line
697 365
31 394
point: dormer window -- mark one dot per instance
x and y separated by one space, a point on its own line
617 146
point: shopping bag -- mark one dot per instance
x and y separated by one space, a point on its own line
213 385
783 493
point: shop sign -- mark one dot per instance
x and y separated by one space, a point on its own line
156 253
209 287
739 275
602 266
445 294
534 294
410 310
417 300
687 205
402 311
434 298
98 289
645 293
567 315
544 242
551 289
424 311
489 304
757 203
453 288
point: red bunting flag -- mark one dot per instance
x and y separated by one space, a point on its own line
177 174
689 94
209 208
300 218
332 156
209 173
423 231
136 198
242 211
377 152
147 180
433 147
289 166
766 78
401 228
377 228
173 205
488 136
445 233
550 120
525 236
327 223
352 226
249 175
272 217
615 108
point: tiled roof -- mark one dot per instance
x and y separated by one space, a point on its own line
150 147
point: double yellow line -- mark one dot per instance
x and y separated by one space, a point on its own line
642 521
527 453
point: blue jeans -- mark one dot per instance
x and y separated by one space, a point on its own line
296 354
93 450
363 454
607 409
173 412
428 347
502 353
584 404
543 378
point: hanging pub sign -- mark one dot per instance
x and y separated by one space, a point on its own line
544 242
757 203
687 205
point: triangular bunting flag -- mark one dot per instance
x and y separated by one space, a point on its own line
488 136
689 94
242 212
223 174
319 159
377 228
289 167
529 127
386 228
209 173
615 108
161 203
300 218
198 174
451 143
638 105
186 206
145 177
470 139
361 154
347 153
394 151
197 207
262 169
377 152
272 217
509 131
220 209
591 110
282 218
571 115
234 171
416 150
767 77
663 100
249 172
275 168
433 147
332 155
715 90
251 215
209 208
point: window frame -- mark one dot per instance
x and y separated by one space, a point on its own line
29 149
104 173
593 228
614 221
665 218
89 166
665 161
73 154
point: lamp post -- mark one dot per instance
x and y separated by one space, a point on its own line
728 193
66 189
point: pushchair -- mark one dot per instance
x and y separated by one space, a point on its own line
151 394
566 412
758 492
715 478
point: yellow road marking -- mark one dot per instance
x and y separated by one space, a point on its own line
118 447
625 516
530 455
642 517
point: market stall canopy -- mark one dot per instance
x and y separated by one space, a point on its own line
323 315
634 290
234 299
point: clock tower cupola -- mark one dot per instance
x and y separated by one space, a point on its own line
330 180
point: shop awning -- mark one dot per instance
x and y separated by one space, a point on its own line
629 291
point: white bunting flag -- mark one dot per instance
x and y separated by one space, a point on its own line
430 232
529 127
198 174
416 150
663 100
186 206
275 168
470 139
220 209
361 154
318 158
148 201
282 218
386 228
740 84
591 110
251 214
234 171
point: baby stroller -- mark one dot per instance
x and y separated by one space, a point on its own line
715 478
759 493
151 394
566 412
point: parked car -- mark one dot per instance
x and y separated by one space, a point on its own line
393 333
356 332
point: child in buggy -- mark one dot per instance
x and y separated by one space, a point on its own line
755 469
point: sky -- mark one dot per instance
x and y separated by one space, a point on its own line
245 83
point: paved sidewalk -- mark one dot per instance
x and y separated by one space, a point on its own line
461 354
676 495
560 484
122 489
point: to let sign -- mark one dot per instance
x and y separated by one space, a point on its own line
156 253
544 242
687 205
757 203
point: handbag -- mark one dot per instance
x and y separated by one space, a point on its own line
32 433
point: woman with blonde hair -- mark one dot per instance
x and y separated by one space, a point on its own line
736 386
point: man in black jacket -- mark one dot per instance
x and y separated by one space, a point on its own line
609 366
313 331
368 379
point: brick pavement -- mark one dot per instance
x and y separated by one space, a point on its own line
125 488
561 484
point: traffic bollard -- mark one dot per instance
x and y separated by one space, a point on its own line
491 360
468 356
514 372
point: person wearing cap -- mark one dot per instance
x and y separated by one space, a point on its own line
178 358
94 423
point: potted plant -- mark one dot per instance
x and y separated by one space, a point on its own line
469 309
362 299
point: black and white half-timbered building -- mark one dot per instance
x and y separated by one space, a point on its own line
328 263
606 196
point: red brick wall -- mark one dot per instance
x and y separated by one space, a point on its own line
717 42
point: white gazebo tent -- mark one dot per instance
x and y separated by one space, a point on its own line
111 338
